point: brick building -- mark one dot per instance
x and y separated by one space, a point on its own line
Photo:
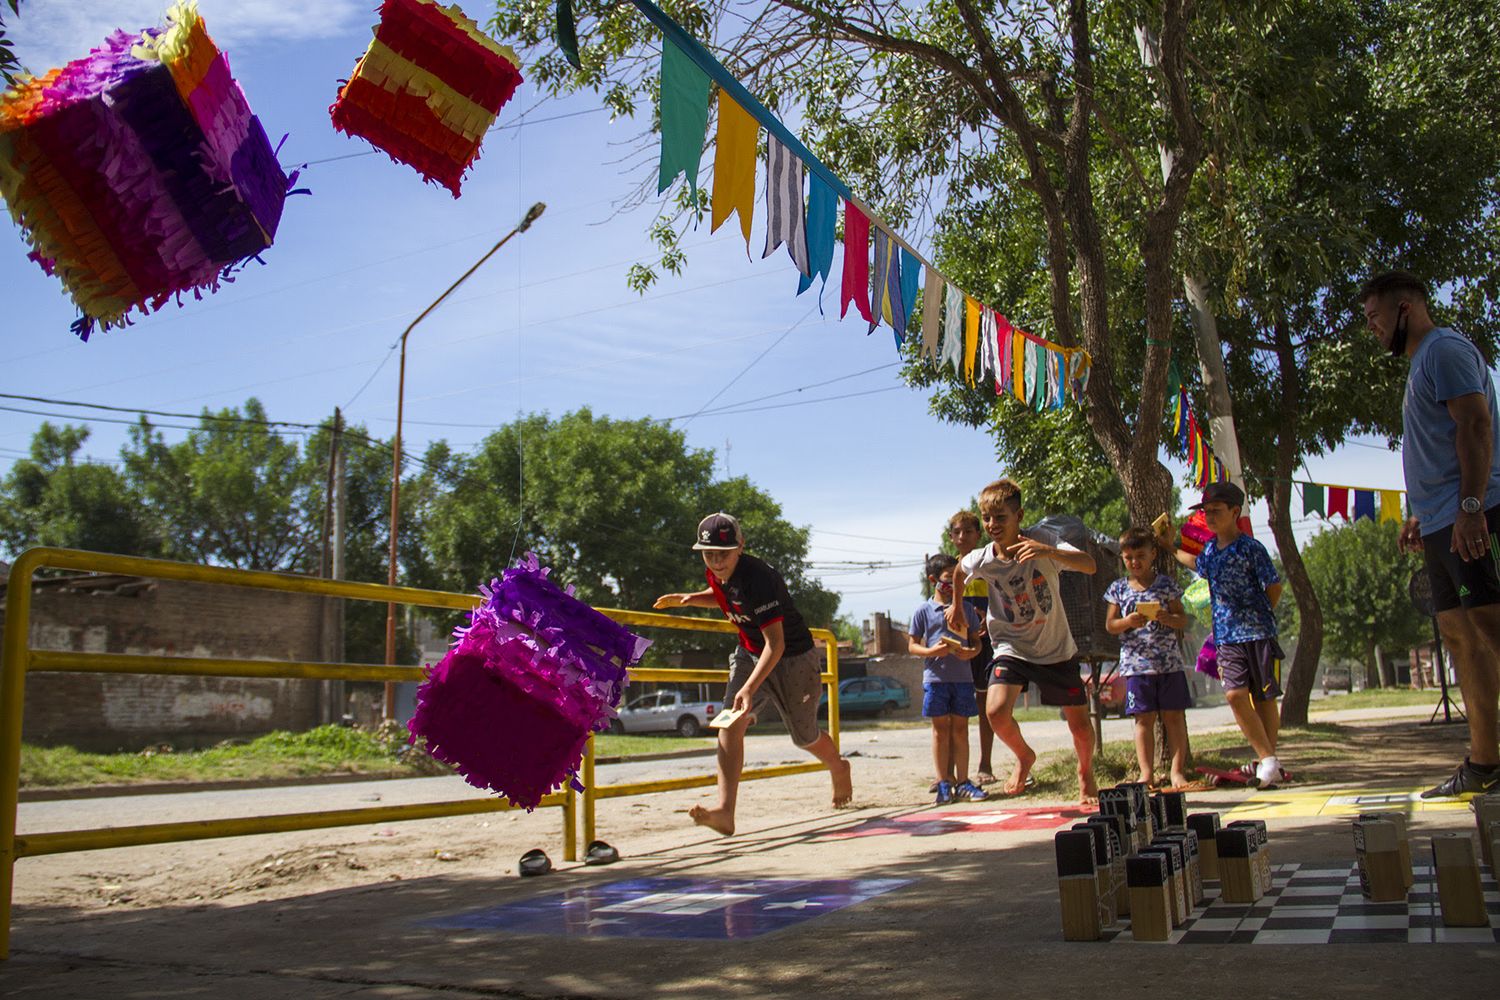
120 614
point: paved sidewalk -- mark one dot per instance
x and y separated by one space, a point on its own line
884 900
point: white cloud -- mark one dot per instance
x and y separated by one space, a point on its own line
49 34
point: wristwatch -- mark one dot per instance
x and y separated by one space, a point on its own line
1470 505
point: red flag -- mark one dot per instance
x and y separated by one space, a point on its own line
856 286
1338 501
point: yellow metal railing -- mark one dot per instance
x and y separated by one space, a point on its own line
17 658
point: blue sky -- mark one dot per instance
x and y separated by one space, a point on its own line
547 325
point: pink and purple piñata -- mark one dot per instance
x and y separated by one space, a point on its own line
138 172
534 673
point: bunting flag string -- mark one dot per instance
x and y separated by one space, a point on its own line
1325 501
956 328
1204 466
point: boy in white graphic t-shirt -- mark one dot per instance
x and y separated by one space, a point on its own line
1028 629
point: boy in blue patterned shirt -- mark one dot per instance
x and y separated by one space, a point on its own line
1145 611
1245 588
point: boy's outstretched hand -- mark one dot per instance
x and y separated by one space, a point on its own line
671 601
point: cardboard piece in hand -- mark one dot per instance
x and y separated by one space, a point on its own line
952 641
726 718
1151 609
1162 526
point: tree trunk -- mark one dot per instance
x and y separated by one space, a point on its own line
1297 680
1372 669
1384 667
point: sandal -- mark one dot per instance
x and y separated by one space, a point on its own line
600 853
534 862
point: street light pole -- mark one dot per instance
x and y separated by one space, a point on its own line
390 609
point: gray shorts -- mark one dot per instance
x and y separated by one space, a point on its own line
793 685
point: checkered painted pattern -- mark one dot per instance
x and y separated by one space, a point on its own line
1312 905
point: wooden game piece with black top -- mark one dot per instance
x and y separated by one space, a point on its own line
1192 873
1377 849
1206 826
1106 853
1176 878
1239 877
1262 853
1078 884
1174 809
1120 801
1487 819
1150 896
1459 890
1121 842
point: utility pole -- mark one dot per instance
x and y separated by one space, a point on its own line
331 566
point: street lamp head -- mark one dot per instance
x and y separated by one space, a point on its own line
531 216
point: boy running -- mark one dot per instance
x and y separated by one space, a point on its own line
775 660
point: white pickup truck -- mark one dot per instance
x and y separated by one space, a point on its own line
665 712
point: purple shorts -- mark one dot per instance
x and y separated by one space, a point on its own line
1157 693
1255 665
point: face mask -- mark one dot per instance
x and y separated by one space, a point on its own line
1398 335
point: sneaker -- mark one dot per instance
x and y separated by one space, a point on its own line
1268 773
1467 780
944 793
972 792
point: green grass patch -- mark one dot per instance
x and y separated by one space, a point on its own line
627 745
1317 750
281 755
1375 698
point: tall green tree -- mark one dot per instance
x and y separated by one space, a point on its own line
1362 581
1001 114
53 498
1332 174
612 504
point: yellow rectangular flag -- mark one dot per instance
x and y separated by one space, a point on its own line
971 337
734 166
1390 506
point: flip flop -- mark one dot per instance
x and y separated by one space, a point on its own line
600 853
534 862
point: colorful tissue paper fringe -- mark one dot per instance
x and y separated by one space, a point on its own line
532 675
138 172
427 89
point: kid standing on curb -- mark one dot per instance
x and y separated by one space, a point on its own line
1029 629
775 660
1245 588
1145 611
947 685
964 533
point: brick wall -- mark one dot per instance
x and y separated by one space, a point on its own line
130 711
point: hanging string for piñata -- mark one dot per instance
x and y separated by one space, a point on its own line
532 675
427 89
138 172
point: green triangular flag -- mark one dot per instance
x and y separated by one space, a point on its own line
567 33
684 117
1312 500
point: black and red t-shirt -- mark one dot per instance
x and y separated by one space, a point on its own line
753 597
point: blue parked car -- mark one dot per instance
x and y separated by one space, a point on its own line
871 695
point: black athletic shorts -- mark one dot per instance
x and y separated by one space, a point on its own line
980 665
1456 583
1059 683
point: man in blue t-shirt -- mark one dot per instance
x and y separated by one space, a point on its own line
1244 588
1451 458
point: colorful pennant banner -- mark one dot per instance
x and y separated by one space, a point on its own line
802 198
1325 501
1204 466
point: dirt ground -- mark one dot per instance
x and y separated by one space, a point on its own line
231 871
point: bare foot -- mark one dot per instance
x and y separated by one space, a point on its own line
719 820
1088 790
984 777
1017 783
843 784
1179 781
1149 780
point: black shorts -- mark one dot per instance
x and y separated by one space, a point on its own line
1456 583
1255 665
1059 683
980 665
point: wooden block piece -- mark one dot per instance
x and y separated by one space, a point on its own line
1377 849
1261 846
1075 852
1175 877
1459 890
1150 900
1487 818
1239 875
1206 826
1403 841
1080 907
1175 806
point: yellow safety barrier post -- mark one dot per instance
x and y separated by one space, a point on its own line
17 659
592 793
